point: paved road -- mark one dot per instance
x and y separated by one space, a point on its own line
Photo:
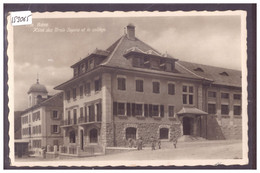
226 149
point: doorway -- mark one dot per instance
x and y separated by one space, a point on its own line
187 125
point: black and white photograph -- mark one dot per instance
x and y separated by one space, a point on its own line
128 88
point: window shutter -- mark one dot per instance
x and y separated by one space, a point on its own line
115 108
128 105
133 109
162 110
150 110
51 128
146 113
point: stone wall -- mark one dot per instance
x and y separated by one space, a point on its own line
224 128
144 130
232 129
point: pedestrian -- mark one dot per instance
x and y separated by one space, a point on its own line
153 143
44 152
159 143
175 140
141 143
130 144
138 144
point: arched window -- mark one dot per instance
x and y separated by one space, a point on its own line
72 137
164 133
93 136
130 132
39 99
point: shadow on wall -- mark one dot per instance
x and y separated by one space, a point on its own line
214 131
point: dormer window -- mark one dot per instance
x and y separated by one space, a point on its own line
198 69
76 71
155 63
82 68
91 64
224 73
138 62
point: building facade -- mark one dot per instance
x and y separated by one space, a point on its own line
130 90
40 122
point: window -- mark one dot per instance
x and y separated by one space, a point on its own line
82 68
55 129
138 62
156 87
121 83
98 85
81 90
69 120
139 109
146 110
237 96
91 64
155 64
74 93
72 137
237 110
81 112
68 95
212 94
155 110
93 136
130 132
87 88
224 73
91 110
76 71
224 110
164 133
128 105
74 116
99 112
171 111
121 108
56 142
55 114
161 110
199 69
139 85
36 116
39 128
212 108
171 89
169 66
187 96
224 95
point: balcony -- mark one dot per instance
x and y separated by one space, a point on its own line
81 121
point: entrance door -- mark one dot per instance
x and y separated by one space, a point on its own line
81 140
187 122
93 136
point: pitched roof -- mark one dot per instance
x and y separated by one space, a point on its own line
55 100
191 110
124 45
219 76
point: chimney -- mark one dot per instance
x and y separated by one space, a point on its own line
130 31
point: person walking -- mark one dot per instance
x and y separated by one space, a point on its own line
153 143
141 143
175 140
159 144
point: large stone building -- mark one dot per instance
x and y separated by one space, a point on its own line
130 90
40 122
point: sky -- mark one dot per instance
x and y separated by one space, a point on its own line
50 46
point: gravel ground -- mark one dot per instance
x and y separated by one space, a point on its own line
221 149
